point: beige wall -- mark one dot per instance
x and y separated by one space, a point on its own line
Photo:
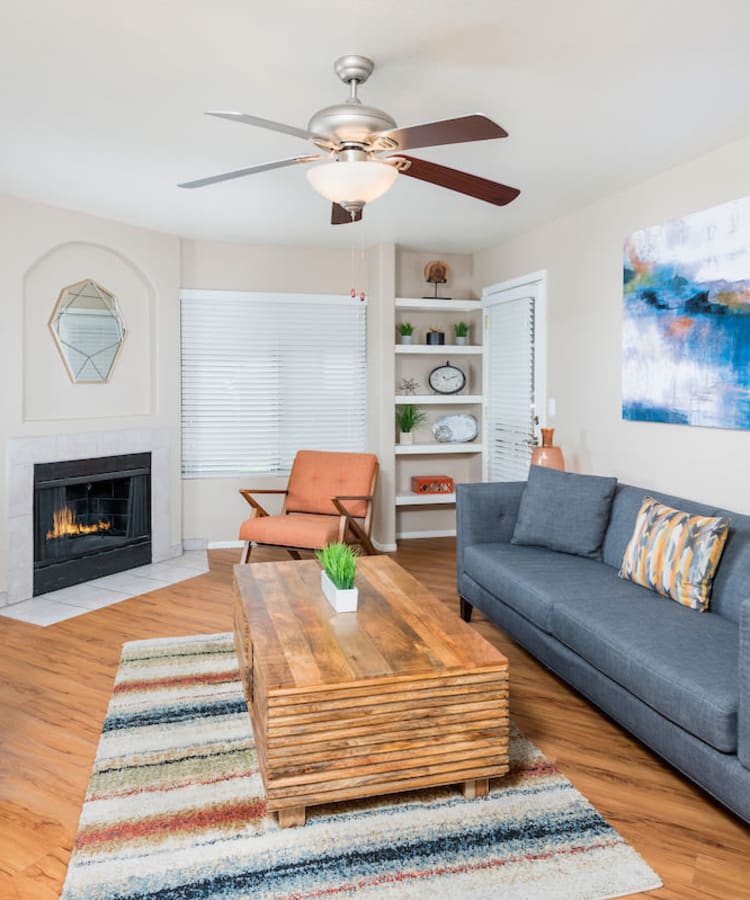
43 249
582 254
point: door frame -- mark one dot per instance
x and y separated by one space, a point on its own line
534 285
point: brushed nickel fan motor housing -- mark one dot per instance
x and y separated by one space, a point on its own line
351 122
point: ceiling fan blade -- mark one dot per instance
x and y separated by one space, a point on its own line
265 123
339 216
463 182
251 170
450 131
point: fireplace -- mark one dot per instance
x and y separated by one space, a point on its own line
92 517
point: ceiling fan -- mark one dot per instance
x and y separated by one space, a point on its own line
365 147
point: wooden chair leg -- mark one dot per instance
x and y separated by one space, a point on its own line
247 550
294 554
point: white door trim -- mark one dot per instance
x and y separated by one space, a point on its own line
535 285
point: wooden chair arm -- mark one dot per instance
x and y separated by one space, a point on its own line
247 493
353 523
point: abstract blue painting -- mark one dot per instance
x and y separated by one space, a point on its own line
686 322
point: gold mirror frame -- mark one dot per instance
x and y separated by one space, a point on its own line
88 330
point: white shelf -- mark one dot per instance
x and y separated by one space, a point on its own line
439 349
436 449
417 303
437 399
424 499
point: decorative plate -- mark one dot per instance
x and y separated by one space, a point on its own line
456 428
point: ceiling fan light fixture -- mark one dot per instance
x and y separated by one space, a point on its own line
352 182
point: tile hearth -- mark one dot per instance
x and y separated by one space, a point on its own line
57 606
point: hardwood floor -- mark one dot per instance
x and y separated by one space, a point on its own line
55 684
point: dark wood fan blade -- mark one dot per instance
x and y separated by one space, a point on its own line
339 216
454 180
450 131
251 170
264 123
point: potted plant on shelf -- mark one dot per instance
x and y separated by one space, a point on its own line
339 563
435 336
405 330
407 418
462 332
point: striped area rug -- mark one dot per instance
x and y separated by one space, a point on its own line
175 809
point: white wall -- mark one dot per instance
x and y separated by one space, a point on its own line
582 254
44 249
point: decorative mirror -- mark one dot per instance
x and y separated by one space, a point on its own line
88 329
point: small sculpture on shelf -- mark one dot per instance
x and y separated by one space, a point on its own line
409 386
435 273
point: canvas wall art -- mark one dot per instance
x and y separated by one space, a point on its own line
686 322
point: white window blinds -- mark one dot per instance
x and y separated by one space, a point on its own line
510 369
266 375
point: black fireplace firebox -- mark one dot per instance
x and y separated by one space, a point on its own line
92 517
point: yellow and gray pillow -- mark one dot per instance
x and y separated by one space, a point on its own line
674 553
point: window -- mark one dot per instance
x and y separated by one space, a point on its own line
264 375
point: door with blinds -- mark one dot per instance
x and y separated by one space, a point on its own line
513 375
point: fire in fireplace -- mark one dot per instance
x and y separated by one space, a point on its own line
92 517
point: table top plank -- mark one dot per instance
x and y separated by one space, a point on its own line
400 630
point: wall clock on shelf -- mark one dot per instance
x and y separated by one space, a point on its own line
447 379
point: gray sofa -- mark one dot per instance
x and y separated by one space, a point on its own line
678 679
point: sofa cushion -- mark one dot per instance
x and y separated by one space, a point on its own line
682 665
624 511
531 579
674 553
564 511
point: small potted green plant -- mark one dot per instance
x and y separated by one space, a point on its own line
462 332
408 417
405 330
339 563
435 336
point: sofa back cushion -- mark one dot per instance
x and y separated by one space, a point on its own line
733 574
564 511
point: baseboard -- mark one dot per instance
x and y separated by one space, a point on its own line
384 548
194 544
409 535
225 545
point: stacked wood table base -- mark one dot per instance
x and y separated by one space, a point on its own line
396 697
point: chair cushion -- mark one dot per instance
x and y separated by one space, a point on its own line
319 475
298 530
674 553
682 665
564 511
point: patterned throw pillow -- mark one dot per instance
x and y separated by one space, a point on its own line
674 553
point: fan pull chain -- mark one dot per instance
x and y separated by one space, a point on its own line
353 292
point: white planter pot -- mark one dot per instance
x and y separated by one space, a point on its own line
341 601
406 338
406 437
461 341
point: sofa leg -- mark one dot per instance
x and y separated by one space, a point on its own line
466 609
246 551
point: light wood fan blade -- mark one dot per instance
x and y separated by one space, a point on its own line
339 216
251 170
462 182
450 131
258 122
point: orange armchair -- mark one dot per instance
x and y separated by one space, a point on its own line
329 498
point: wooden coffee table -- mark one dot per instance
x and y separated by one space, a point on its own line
398 696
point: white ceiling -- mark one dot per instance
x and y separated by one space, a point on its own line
101 105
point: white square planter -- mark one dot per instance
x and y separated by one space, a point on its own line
341 601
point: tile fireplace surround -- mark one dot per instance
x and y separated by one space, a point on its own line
23 453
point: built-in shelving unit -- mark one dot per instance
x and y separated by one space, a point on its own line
424 514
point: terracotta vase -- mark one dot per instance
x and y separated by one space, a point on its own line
548 455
